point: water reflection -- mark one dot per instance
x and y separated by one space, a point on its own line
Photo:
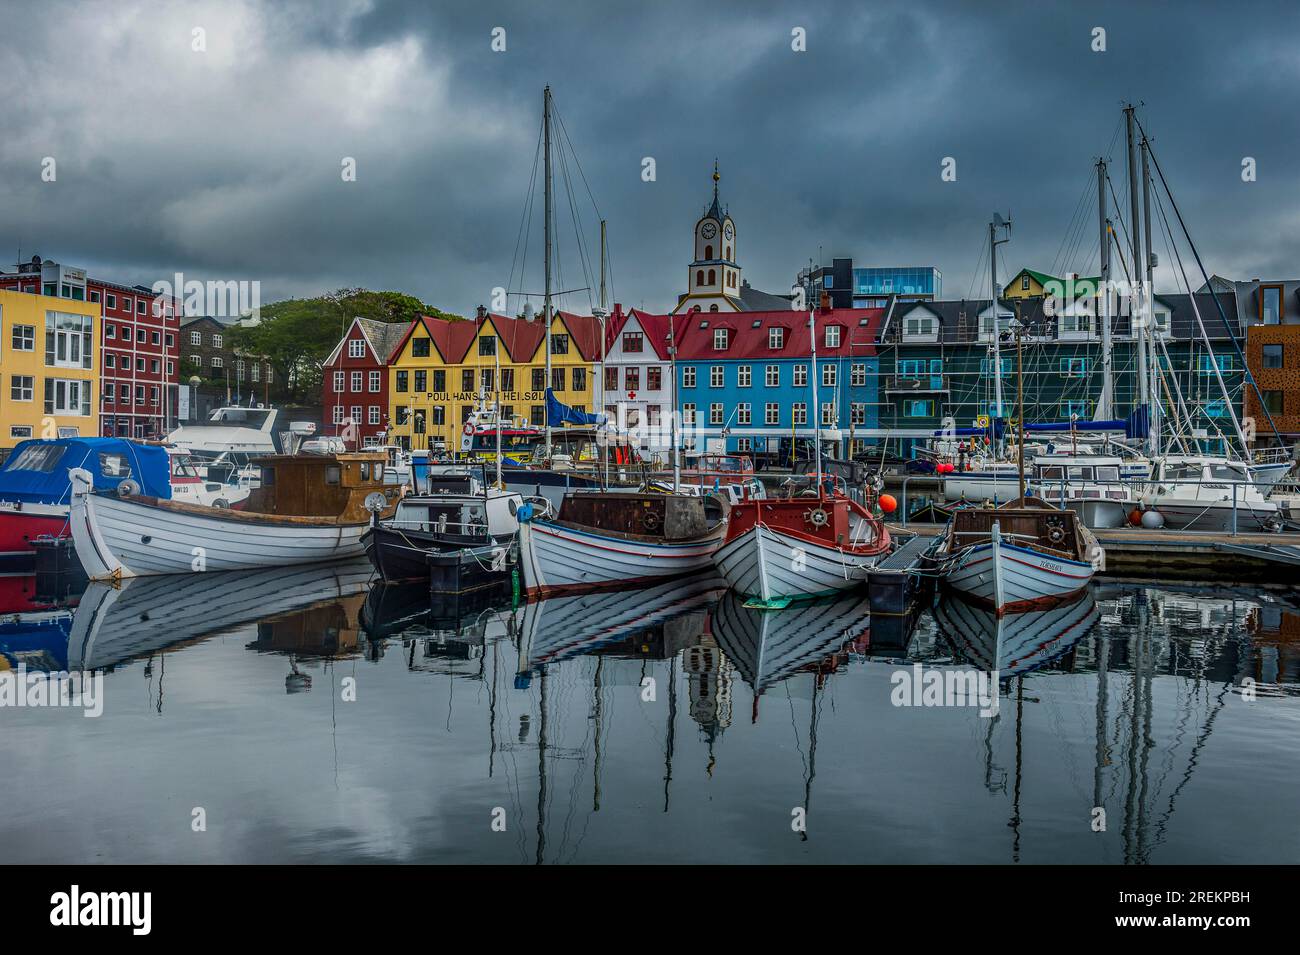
628 726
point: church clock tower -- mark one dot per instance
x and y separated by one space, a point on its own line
713 282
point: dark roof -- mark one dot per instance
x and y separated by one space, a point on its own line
752 300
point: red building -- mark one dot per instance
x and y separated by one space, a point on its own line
355 381
138 342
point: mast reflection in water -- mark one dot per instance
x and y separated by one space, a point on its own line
318 719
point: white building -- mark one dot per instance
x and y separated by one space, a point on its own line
640 388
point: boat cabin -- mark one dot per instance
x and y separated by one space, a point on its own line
1035 527
323 485
667 517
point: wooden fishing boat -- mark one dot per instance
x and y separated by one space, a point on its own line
809 541
310 508
1015 644
1018 558
617 539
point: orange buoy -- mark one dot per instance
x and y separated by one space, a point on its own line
888 504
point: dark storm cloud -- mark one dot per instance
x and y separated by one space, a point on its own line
225 163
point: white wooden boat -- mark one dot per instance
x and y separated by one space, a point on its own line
292 520
1088 484
611 539
797 547
1016 559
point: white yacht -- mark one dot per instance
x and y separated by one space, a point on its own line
1088 484
242 431
1201 493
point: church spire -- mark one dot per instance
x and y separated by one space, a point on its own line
715 210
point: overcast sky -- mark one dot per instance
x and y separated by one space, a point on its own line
226 163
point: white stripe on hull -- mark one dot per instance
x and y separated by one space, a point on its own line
558 558
118 537
1002 575
768 564
1217 517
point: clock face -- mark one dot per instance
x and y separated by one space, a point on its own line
709 230
730 232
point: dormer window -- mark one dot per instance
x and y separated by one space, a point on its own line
920 325
832 336
720 336
487 345
776 337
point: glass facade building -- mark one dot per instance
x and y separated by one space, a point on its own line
903 282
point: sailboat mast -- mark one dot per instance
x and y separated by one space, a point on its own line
1135 233
604 348
1148 300
546 307
1106 400
816 408
993 296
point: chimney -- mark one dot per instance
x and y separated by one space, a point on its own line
482 313
825 304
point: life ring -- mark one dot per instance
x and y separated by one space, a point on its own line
469 429
817 517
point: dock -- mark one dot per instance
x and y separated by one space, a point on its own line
894 583
1135 553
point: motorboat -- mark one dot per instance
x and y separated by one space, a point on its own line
1088 484
1205 493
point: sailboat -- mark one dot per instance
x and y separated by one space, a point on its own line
811 540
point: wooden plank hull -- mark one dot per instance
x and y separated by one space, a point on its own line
771 565
557 559
121 537
1008 578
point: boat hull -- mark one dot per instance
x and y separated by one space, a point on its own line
124 537
770 565
557 560
1007 578
1195 516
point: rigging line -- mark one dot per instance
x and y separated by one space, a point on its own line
979 269
1232 335
569 186
584 257
526 219
1073 232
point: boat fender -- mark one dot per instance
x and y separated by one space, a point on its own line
222 503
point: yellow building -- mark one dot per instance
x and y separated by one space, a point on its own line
49 366
439 370
1030 284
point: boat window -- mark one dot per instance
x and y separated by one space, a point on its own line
1225 472
268 475
114 465
333 474
1108 473
37 457
182 466
365 470
1080 474
1054 473
379 471
1182 472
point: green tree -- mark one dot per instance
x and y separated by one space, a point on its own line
297 335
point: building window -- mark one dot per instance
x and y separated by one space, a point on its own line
67 340
715 413
171 340
357 379
720 336
828 376
110 331
1024 283
579 379
67 396
688 414
557 379
338 414
858 375
153 394
422 380
155 338
828 413
744 444
688 376
539 379
217 362
857 413
110 300
715 376
196 338
196 360
1205 365
632 341
918 408
772 376
109 360
713 276
611 379
699 277
920 326
466 380
487 380
631 379
776 337
357 348
419 348
20 431
21 387
109 391
356 414
24 338
487 345
1273 356
743 374
1074 367
373 381
339 378
559 344
256 370
742 413
537 415
654 377
140 307
1274 401
1270 304
374 414
771 413
832 336
799 413
801 376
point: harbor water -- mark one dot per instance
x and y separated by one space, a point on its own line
312 716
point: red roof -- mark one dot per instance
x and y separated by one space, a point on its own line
655 327
749 338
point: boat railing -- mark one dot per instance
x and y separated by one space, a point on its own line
1063 490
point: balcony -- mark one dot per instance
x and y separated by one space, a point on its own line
919 384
